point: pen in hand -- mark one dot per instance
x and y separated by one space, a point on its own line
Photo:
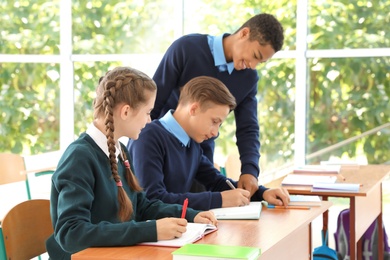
230 185
184 209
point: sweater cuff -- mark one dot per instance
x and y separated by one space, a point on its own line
216 200
250 169
258 196
191 213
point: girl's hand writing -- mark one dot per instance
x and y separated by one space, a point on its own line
206 217
169 228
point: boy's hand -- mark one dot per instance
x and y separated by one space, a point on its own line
248 182
278 196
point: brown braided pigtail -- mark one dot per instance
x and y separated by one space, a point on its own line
122 85
131 179
125 205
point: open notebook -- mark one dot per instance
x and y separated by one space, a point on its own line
195 231
251 211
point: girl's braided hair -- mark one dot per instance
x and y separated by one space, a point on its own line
121 85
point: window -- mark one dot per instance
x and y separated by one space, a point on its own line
329 83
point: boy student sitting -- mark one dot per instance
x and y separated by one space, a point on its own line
167 156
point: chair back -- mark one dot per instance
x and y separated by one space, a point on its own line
11 167
26 227
233 166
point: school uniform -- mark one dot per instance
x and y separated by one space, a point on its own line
84 201
202 55
167 161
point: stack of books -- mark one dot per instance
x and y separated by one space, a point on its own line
305 200
336 187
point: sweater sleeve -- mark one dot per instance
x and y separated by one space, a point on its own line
258 196
84 205
73 195
156 209
165 176
167 76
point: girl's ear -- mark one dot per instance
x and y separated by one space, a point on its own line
125 111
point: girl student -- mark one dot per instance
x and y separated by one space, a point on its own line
95 197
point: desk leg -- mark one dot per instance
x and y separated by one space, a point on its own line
352 231
310 242
381 246
325 221
361 218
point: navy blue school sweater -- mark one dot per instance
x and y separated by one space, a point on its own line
166 169
189 57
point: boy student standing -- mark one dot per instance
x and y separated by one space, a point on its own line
231 58
95 197
167 156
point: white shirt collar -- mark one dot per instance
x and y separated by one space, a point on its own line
101 140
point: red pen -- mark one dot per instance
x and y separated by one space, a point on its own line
184 210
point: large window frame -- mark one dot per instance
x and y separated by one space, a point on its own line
301 55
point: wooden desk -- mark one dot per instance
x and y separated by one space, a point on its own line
279 233
365 205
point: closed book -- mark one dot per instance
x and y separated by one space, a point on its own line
305 200
341 163
195 231
336 187
307 179
215 252
251 211
318 169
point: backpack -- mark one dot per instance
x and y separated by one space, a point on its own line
324 252
369 239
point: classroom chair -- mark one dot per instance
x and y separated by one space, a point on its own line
233 166
26 227
13 170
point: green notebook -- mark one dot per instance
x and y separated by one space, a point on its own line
215 252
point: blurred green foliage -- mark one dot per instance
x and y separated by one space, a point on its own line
347 95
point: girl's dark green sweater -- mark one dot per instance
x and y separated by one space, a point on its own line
84 204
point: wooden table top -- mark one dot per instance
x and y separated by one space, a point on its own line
273 226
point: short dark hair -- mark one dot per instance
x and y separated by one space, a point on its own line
265 29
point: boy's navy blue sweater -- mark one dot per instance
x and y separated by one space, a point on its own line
189 57
166 169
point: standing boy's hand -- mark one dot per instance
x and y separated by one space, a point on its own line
169 228
248 182
277 196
